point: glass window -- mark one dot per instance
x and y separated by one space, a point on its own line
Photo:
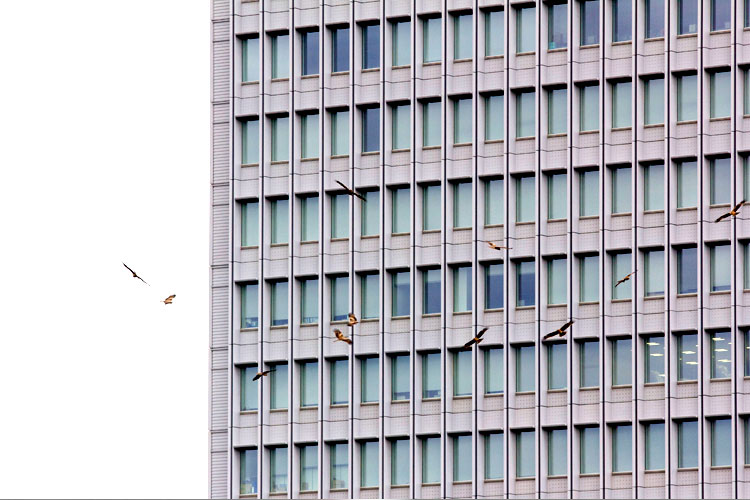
339 133
493 202
461 450
462 205
339 298
746 88
525 199
309 302
279 387
401 43
721 258
431 120
432 39
340 382
371 213
400 303
653 113
462 121
746 266
525 455
654 359
279 303
721 355
622 354
621 182
309 211
250 142
370 380
401 132
746 24
621 104
494 33
721 179
370 46
525 113
493 455
589 195
370 130
525 29
687 184
249 307
621 267
557 196
557 452
278 469
525 380
721 15
310 135
557 366
622 23
339 466
462 36
589 450
431 291
589 107
430 375
589 351
250 59
280 138
249 472
340 215
747 419
308 384
746 356
250 230
494 292
493 371
494 125
687 16
369 464
653 180
654 445
687 356
687 444
400 377
462 373
557 281
687 98
589 271
557 110
310 44
340 44
280 56
462 288
622 448
589 22
370 296
721 93
557 33
721 437
431 460
654 18
401 220
400 462
654 267
248 388
687 270
525 286
308 467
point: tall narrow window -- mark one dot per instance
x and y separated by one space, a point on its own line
622 354
370 129
309 222
400 377
525 287
721 258
310 59
462 373
589 108
721 15
340 45
371 213
653 112
278 469
721 181
654 445
309 302
589 369
721 93
494 292
654 271
400 462
431 291
250 142
622 20
250 59
340 381
400 299
557 447
280 56
249 308
308 467
687 16
431 460
279 387
249 472
493 371
462 289
746 350
493 202
401 220
525 199
250 229
557 281
494 33
280 138
525 379
721 355
462 36
589 450
525 114
589 274
654 359
339 298
248 388
339 466
621 182
746 89
621 104
687 98
462 121
525 29
622 448
462 205
653 186
401 43
308 384
589 193
370 296
557 32
525 456
557 196
687 184
654 18
494 118
721 436
369 464
339 215
461 450
309 135
401 131
432 39
687 444
557 366
430 375
493 455
687 356
370 46
339 133
370 379
589 22
279 303
431 120
687 270
557 110
621 266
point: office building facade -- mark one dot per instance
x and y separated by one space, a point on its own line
597 139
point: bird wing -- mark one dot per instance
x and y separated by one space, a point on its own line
482 332
358 195
343 185
738 206
126 267
723 216
622 280
353 317
550 335
470 343
171 297
142 279
257 376
567 325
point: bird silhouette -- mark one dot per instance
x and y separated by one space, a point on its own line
341 337
352 320
477 338
560 331
497 247
263 373
350 191
169 299
732 213
626 278
134 273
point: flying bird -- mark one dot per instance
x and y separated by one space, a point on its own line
134 273
626 278
477 338
169 299
560 331
732 213
263 373
352 320
350 191
497 247
341 337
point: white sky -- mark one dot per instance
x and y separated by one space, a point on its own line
104 157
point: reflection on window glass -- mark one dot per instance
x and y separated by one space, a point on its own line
654 359
687 356
687 270
525 29
589 353
654 18
557 32
654 445
589 450
525 456
525 283
687 16
589 22
721 355
622 14
622 448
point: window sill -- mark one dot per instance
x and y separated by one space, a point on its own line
430 484
401 66
278 410
339 73
431 315
490 226
652 125
591 46
310 77
278 327
687 382
369 236
315 159
467 396
432 63
244 165
519 54
720 467
622 473
251 82
279 162
556 391
284 79
655 39
660 211
401 150
438 398
249 412
525 223
588 132
500 309
588 217
338 489
333 157
526 138
400 401
463 60
244 330
466 481
654 297
558 134
499 56
369 488
274 245
685 209
494 394
622 386
370 70
687 122
430 231
557 49
618 301
308 491
689 35
339 322
309 324
524 308
653 384
309 242
687 295
461 313
725 379
369 403
720 292
309 407
400 317
595 388
370 153
494 141
427 148
590 303
462 144
400 234
622 42
250 247
687 469
719 119
399 486
622 214
719 205
339 405
564 219
525 393
339 239
719 32
369 320
563 476
621 129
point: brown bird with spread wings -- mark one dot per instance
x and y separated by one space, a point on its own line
477 338
134 273
169 299
626 278
560 331
352 320
341 337
497 247
732 213
350 191
263 373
